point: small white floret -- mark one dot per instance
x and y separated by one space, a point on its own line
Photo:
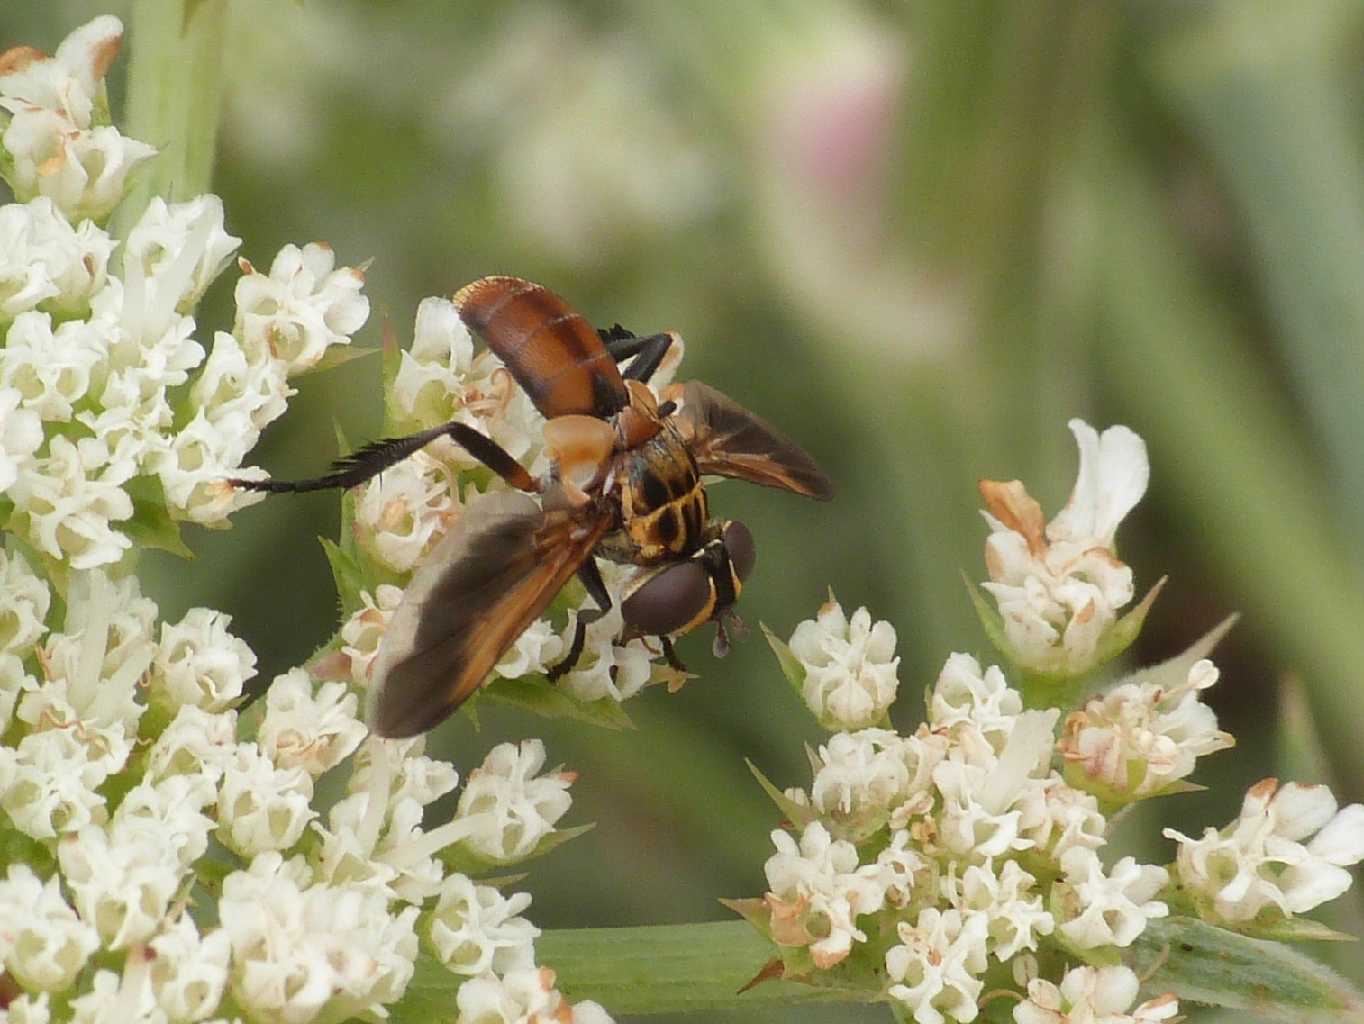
47 944
475 929
507 807
850 666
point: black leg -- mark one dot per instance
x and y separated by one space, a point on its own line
377 456
615 333
648 352
596 589
670 653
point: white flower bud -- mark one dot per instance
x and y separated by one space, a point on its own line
964 694
1069 818
1106 910
49 782
300 308
518 997
935 969
306 729
83 172
818 883
119 999
539 647
196 742
384 848
506 807
173 253
261 807
475 929
401 513
850 667
95 665
300 949
605 669
1092 994
50 369
1139 738
196 464
67 500
417 776
47 944
431 373
45 262
121 880
1265 859
1016 917
1059 590
189 972
860 777
361 633
21 434
199 662
229 385
24 601
168 813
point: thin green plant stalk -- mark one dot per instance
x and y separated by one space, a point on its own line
175 78
1267 89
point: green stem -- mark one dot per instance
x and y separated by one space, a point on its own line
174 97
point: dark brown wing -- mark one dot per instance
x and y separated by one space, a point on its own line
728 440
470 599
552 351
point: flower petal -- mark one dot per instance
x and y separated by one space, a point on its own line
1114 472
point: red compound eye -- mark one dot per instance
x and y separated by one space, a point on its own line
666 602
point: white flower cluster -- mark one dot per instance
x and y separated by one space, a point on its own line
107 400
1264 862
1140 738
1059 586
923 868
130 791
57 138
314 922
962 839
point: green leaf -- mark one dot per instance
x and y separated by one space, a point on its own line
1296 929
347 574
1202 963
1127 628
388 373
795 813
1174 671
151 525
338 355
539 696
990 619
791 667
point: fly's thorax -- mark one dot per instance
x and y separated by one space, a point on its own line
663 508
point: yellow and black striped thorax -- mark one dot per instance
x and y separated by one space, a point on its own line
663 510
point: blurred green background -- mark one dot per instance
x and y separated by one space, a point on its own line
920 236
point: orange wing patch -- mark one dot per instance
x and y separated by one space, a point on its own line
551 350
